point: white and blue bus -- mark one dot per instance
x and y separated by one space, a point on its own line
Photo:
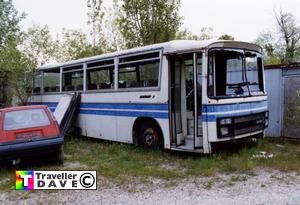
179 95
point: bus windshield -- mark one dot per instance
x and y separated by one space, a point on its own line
235 73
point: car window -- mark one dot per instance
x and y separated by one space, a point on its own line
21 119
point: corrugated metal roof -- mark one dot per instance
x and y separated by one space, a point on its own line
283 66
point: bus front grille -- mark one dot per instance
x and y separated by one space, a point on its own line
242 125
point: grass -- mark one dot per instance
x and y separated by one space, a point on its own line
122 163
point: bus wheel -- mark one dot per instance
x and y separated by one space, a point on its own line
151 136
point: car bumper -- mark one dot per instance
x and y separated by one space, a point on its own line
25 149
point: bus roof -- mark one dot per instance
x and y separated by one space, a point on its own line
175 46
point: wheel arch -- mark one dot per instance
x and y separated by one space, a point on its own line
136 128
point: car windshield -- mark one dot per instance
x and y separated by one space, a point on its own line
235 73
21 119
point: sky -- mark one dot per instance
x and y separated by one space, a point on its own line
240 18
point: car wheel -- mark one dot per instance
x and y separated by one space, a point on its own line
60 156
151 136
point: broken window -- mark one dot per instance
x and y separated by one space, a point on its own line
234 72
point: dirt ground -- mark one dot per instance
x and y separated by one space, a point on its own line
260 187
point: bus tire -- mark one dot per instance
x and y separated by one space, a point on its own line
151 136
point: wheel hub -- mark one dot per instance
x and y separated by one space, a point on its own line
149 139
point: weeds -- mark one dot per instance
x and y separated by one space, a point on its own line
122 163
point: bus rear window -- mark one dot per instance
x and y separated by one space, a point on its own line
22 119
51 80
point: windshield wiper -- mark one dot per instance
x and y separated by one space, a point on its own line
241 84
239 87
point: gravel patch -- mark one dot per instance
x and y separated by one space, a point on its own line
263 187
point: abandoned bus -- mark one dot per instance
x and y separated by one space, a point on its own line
179 95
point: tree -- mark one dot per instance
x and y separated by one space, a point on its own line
36 48
95 20
289 34
206 33
21 79
38 45
267 41
113 36
9 40
226 37
148 22
283 45
74 45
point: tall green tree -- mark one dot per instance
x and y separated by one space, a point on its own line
33 48
9 39
38 45
20 81
73 45
95 21
147 22
270 50
113 36
289 35
281 44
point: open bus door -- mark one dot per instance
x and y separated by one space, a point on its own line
185 100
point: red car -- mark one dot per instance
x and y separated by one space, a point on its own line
29 130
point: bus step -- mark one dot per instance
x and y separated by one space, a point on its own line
189 143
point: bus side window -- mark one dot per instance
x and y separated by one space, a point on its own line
51 80
100 74
73 78
139 70
101 78
37 83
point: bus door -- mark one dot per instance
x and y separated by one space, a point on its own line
176 100
186 103
197 75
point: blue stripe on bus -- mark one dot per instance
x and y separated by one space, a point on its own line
84 109
159 115
232 107
212 117
164 107
126 106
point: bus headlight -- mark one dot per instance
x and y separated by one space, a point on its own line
224 131
225 121
266 119
267 114
266 122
